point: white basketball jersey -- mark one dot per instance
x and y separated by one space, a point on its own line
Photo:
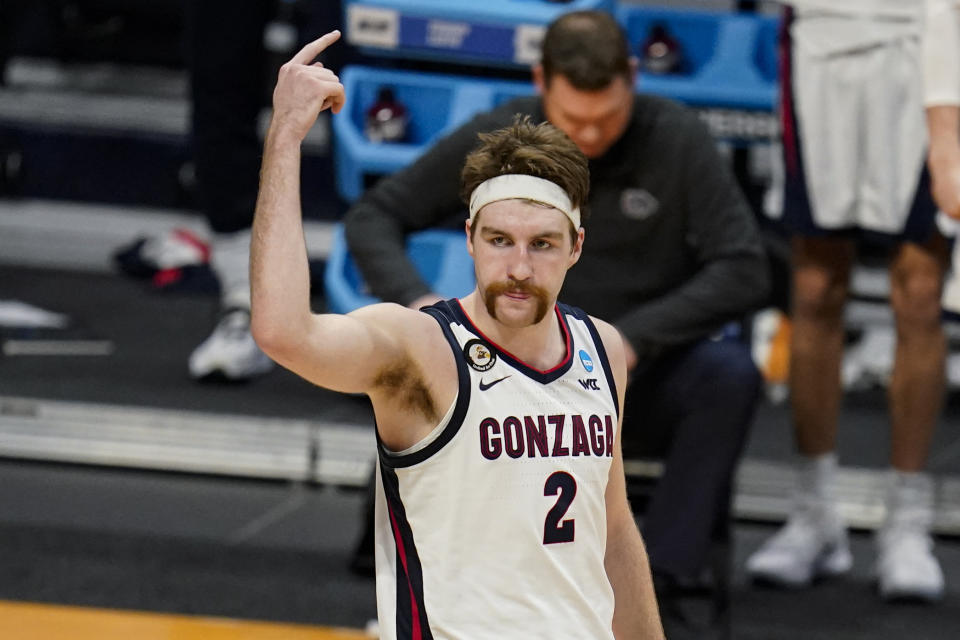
494 526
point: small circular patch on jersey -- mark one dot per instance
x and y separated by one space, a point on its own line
479 356
586 360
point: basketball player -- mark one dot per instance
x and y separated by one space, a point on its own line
854 148
674 256
502 509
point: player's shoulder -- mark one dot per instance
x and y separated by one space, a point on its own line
408 334
383 310
608 333
612 341
395 318
578 313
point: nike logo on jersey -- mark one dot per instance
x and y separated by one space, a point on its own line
486 385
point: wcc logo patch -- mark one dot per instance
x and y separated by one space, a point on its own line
479 356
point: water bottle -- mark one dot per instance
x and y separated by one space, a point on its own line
386 119
660 53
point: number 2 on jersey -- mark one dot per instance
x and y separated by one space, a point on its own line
555 529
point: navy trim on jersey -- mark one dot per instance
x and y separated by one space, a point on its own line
459 411
412 621
576 312
543 377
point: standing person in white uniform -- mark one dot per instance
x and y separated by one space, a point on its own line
503 509
854 138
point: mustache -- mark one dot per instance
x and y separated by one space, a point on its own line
497 289
516 286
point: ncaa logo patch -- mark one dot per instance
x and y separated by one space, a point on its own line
586 360
479 355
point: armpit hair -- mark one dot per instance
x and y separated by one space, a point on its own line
405 381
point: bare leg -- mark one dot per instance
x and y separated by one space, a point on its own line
813 542
821 271
917 387
906 566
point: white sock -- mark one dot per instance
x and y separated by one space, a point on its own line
817 475
909 498
230 261
816 483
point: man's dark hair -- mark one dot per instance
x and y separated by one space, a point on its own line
539 150
588 48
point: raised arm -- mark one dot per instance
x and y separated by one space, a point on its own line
635 616
343 353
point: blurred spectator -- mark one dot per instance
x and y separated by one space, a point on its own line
853 140
674 255
227 62
232 49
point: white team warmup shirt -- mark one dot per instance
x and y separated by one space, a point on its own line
494 526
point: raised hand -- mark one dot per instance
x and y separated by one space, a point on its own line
305 88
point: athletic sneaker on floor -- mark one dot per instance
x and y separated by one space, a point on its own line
906 567
811 544
230 352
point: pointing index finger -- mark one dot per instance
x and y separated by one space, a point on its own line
312 49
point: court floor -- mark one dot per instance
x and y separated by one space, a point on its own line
30 621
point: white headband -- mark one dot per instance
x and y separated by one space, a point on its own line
520 186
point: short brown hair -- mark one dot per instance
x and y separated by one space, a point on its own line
539 150
588 48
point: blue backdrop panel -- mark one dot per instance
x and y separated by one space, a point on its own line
495 32
729 59
435 103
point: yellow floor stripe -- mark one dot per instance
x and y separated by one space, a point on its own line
29 621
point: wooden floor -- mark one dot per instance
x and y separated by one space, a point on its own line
27 621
